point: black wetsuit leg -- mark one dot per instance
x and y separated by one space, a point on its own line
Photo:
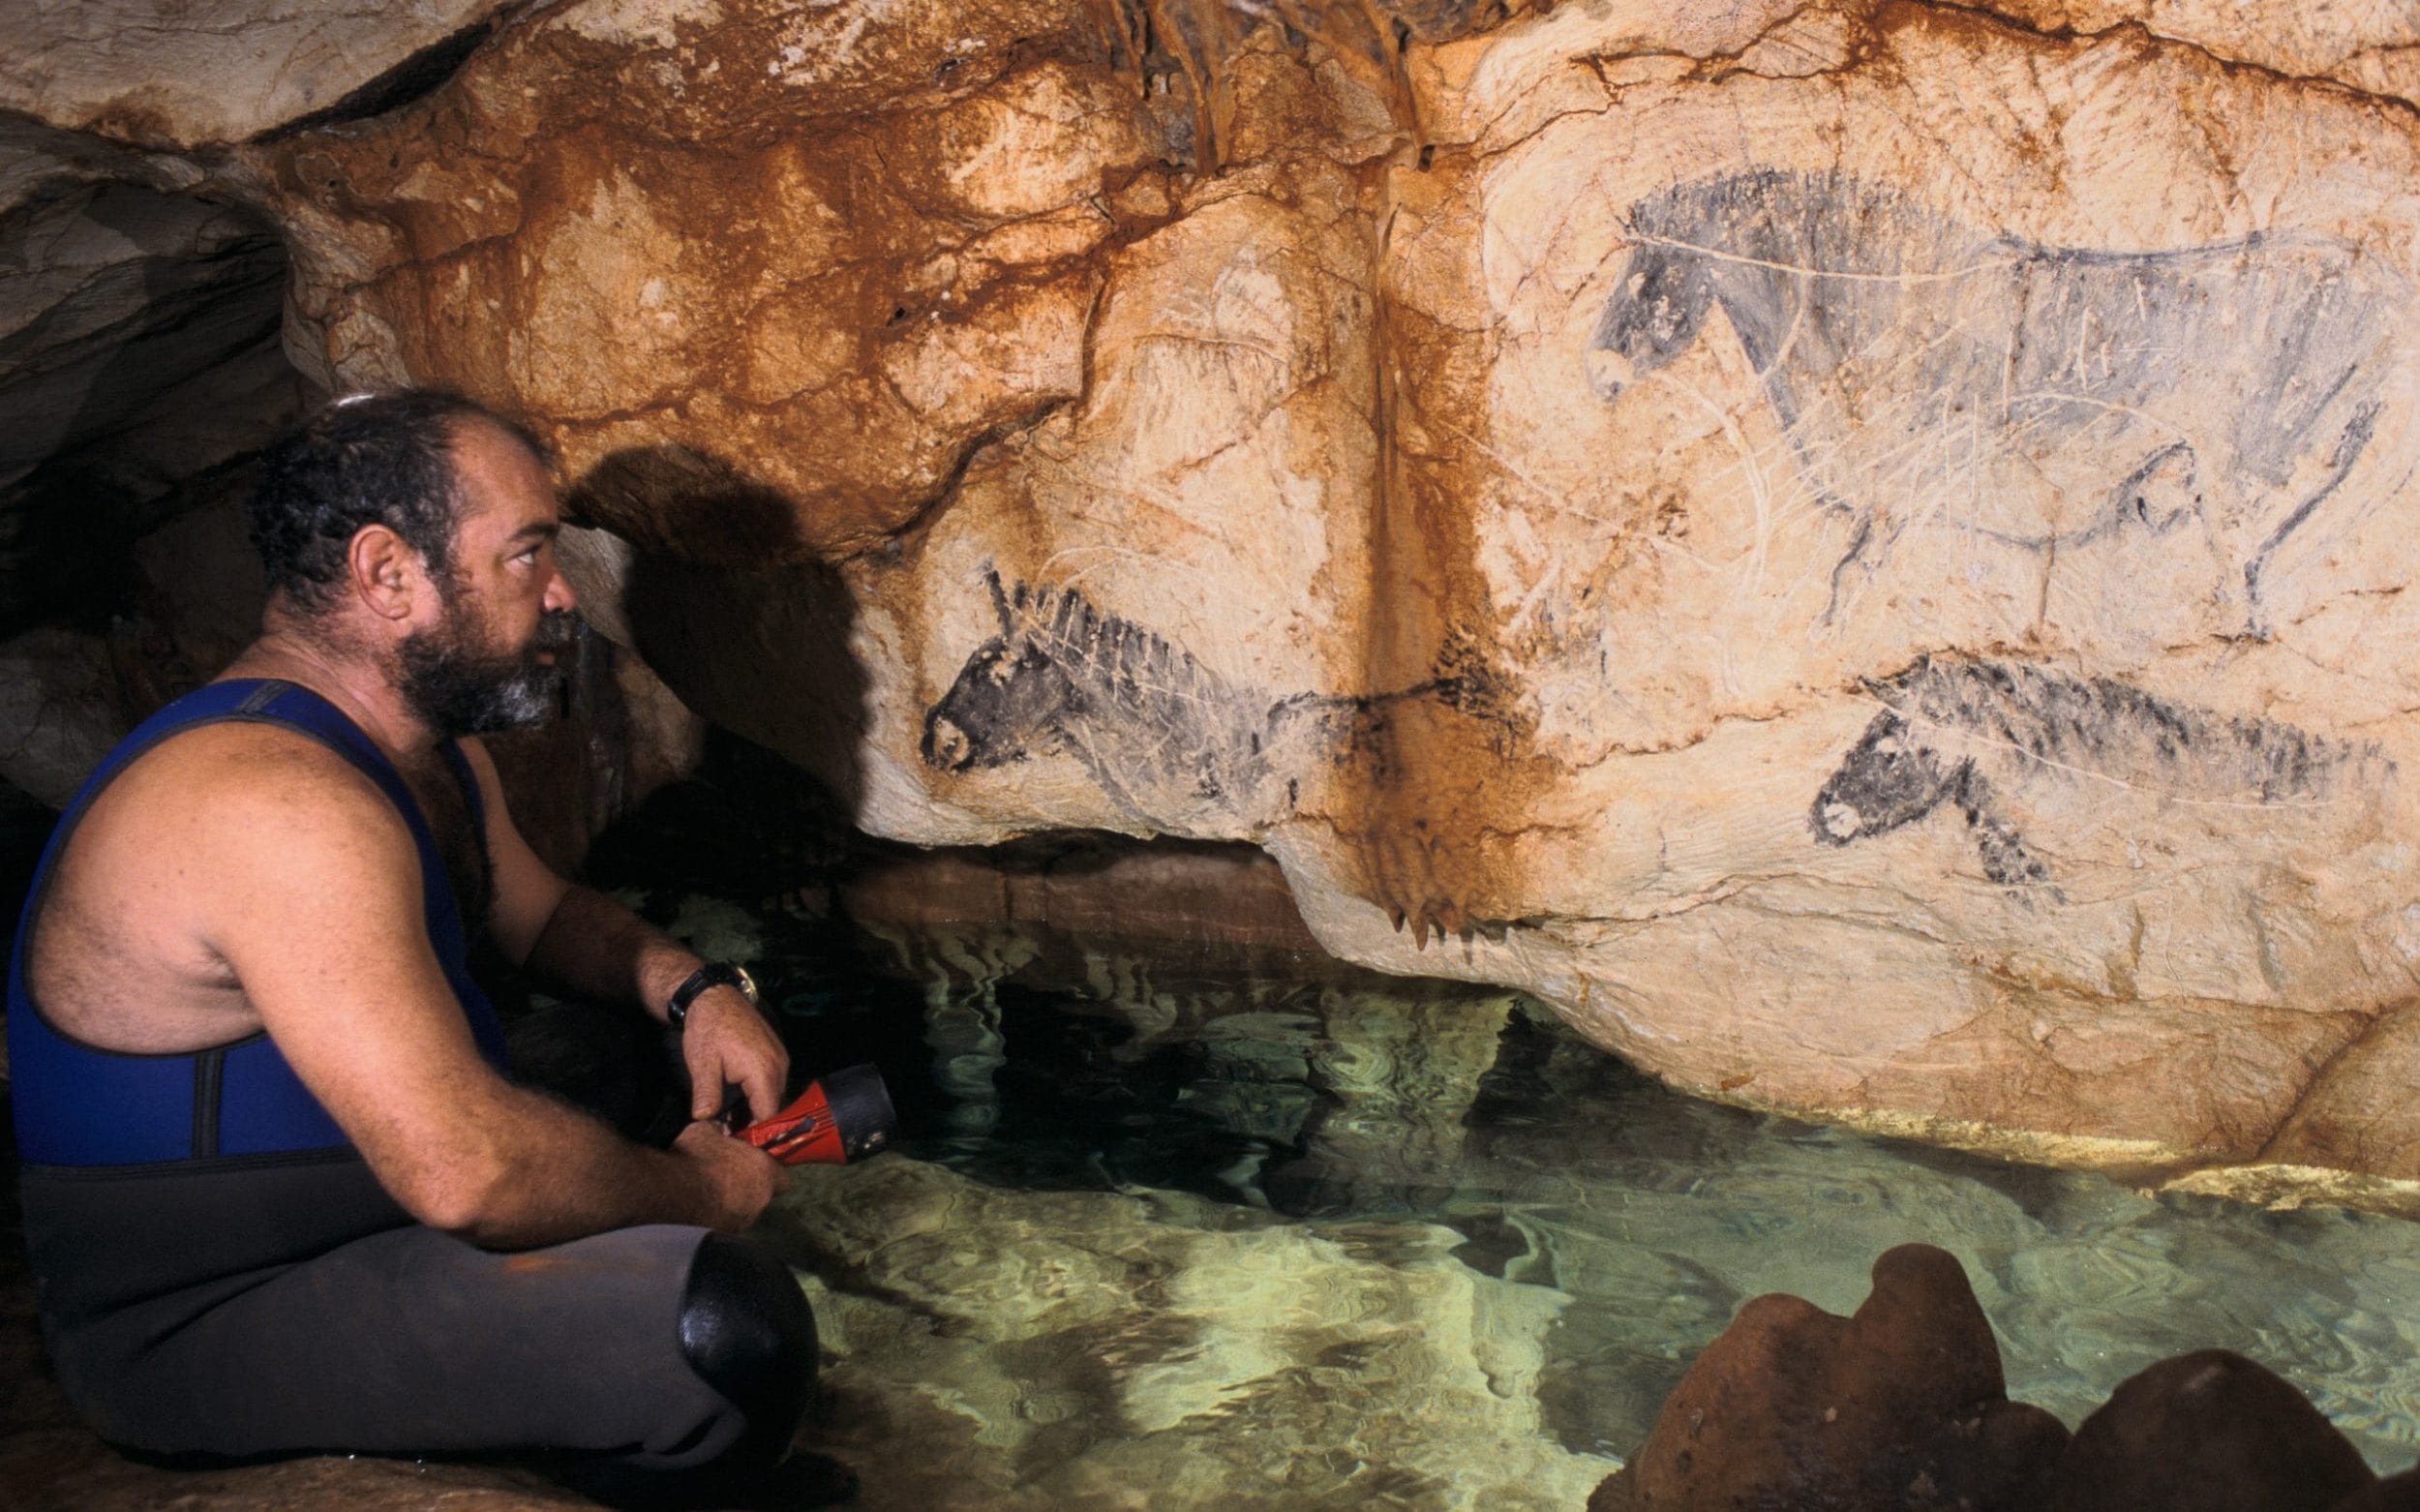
243 1308
664 1347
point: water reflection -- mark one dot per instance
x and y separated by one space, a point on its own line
1165 1234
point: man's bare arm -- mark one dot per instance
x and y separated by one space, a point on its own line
589 946
320 917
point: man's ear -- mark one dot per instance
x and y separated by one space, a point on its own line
387 574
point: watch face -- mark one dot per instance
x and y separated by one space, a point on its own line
747 984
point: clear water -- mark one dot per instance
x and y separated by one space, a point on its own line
1165 1236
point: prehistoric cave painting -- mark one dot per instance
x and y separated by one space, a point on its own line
2045 399
1944 721
1160 734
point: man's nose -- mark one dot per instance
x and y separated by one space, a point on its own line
558 594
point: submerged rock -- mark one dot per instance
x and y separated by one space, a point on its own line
1087 1349
1902 1407
2207 1432
1901 1404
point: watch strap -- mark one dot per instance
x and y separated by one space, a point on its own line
714 974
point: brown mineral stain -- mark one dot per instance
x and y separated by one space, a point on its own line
681 256
1446 781
748 241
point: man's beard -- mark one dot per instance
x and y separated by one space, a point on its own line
459 689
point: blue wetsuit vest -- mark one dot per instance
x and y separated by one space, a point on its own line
78 1105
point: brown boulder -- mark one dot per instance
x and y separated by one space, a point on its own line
2211 1432
1902 1404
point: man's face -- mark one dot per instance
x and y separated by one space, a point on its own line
489 662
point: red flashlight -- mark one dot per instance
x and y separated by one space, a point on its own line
845 1117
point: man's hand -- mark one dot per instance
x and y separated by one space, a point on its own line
742 1178
726 1041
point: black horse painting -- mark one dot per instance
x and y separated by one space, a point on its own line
1162 735
1949 727
2042 397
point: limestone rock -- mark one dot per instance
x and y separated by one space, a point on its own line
765 276
1654 644
1900 1405
68 694
1196 901
2372 49
200 581
183 74
1859 550
2209 1430
59 698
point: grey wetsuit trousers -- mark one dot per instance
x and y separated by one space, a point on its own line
263 1306
405 1340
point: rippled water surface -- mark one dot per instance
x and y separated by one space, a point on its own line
1167 1234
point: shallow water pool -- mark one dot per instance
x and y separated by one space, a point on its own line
1164 1233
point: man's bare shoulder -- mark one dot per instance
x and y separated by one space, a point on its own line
238 787
220 841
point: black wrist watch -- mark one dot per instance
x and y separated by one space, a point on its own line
718 974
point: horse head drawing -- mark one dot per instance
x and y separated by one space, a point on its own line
1007 700
1664 293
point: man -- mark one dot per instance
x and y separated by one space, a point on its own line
281 1192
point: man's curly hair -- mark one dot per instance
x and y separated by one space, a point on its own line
379 459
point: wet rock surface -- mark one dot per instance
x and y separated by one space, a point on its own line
1903 1406
1900 1404
2209 1430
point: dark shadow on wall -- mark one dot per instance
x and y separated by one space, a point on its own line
25 830
728 608
138 395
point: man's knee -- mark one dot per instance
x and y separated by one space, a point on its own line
747 1331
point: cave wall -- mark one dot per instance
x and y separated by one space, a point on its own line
1857 549
141 330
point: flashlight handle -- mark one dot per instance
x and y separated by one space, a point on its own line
846 1117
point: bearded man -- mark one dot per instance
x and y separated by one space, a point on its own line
280 1191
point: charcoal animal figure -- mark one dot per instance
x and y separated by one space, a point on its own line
2042 397
1943 722
1162 735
